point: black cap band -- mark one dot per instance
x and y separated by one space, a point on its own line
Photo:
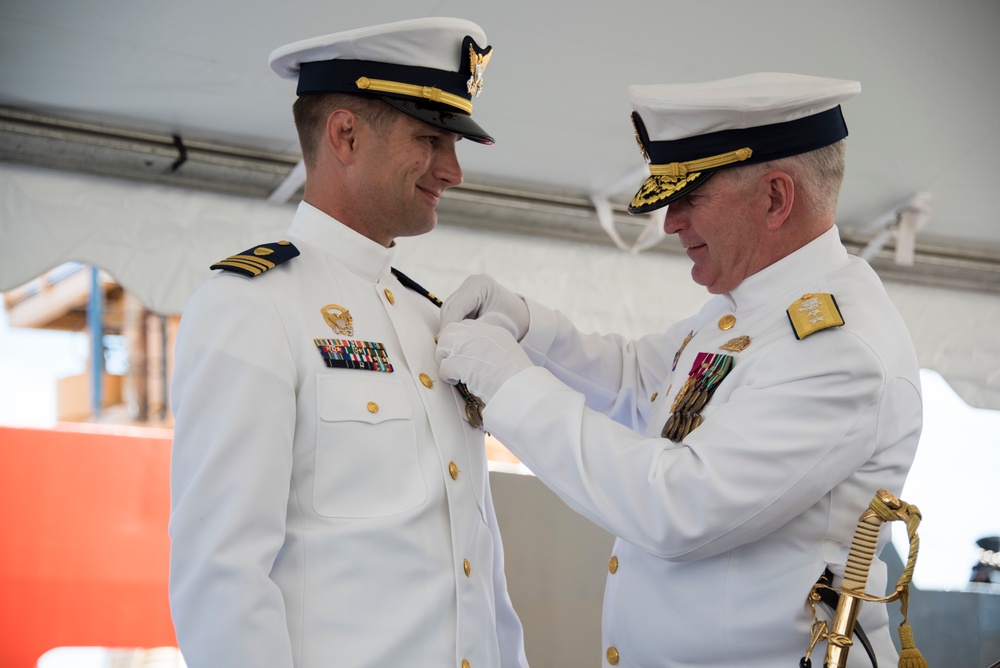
341 76
768 142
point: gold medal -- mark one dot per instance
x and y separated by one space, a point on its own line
668 427
473 406
708 371
474 416
699 402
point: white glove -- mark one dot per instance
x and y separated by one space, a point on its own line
481 355
481 297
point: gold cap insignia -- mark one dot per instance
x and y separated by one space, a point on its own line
339 319
638 140
477 65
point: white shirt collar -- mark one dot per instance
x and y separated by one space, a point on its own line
789 274
337 241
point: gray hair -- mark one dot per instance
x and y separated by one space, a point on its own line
818 176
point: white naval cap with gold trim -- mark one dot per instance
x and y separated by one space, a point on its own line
429 68
689 131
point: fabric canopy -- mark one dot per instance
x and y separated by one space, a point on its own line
158 243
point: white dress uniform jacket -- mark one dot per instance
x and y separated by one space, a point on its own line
721 536
328 516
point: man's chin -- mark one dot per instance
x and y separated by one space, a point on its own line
422 227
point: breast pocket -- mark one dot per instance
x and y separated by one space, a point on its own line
366 449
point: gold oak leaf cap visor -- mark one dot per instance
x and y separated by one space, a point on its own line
687 132
430 69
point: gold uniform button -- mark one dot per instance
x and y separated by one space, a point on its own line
372 407
466 664
613 565
727 322
388 295
653 398
426 380
453 470
468 568
612 656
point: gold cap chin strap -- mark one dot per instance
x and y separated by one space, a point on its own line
412 90
681 169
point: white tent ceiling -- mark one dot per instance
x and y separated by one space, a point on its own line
555 91
79 80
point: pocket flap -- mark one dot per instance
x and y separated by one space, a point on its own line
371 399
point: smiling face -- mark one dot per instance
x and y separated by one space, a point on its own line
401 172
722 226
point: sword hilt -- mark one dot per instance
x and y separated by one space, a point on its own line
884 507
859 562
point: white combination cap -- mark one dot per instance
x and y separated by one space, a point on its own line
428 68
689 131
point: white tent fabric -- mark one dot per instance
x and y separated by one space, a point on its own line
158 242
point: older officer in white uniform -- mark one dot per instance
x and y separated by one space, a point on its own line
733 453
331 505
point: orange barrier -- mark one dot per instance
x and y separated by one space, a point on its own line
83 529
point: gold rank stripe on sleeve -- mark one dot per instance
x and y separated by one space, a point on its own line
813 312
252 262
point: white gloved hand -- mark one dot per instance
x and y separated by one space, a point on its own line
481 355
480 297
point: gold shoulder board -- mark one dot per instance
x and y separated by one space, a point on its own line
255 261
812 313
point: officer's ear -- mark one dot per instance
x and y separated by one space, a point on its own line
780 191
341 134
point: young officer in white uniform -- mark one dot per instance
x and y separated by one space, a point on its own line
331 504
733 453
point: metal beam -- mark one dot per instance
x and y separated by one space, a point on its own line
31 138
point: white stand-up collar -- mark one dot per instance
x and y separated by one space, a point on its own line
337 241
817 257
